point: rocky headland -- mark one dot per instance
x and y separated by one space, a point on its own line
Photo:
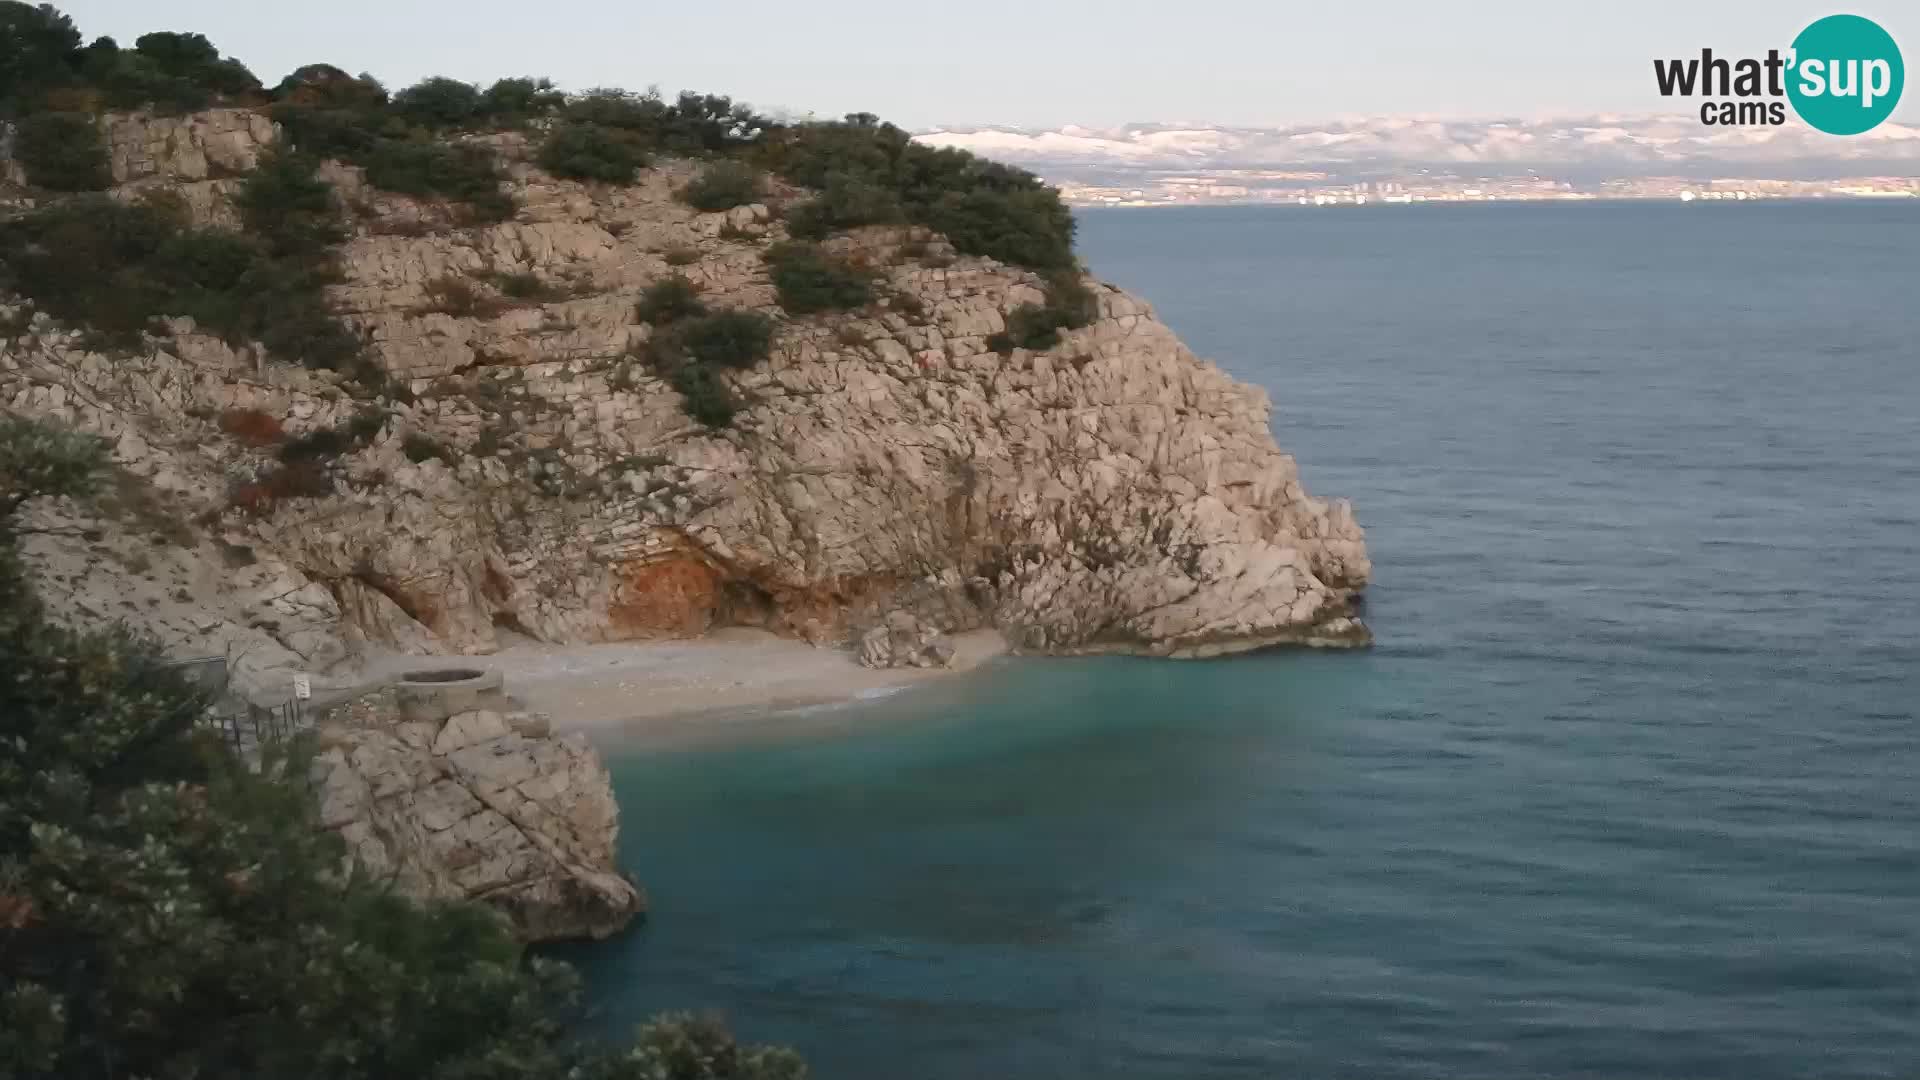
895 473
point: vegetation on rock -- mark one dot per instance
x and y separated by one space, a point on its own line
62 152
669 299
290 208
708 397
810 280
583 151
1069 306
116 268
166 910
730 339
723 186
44 68
424 168
870 172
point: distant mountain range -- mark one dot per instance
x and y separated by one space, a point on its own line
1606 144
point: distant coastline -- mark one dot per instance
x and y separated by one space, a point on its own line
1352 202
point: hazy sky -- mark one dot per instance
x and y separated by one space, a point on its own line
1040 62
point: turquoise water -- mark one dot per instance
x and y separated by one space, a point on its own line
1630 786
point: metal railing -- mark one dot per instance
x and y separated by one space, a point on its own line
242 724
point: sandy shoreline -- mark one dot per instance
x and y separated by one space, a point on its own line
671 687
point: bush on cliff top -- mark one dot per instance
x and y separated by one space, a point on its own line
581 151
62 152
167 911
42 66
864 168
866 172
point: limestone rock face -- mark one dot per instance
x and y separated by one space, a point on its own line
483 806
1112 493
207 145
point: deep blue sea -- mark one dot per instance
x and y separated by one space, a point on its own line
1629 788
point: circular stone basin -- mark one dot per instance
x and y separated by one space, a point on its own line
432 695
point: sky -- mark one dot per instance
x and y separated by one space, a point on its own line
1028 62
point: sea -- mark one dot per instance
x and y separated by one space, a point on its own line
1629 786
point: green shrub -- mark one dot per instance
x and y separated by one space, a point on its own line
514 101
709 399
983 207
321 444
681 255
114 268
395 156
1069 306
723 186
323 131
1025 227
40 48
192 58
460 297
694 124
810 280
730 339
527 287
422 448
170 72
642 114
327 87
63 152
669 299
285 204
439 103
324 444
581 151
465 174
167 72
848 200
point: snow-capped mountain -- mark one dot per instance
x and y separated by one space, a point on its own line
1624 143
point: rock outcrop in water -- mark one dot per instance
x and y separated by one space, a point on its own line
483 806
1112 493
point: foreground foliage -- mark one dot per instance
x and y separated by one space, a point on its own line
167 912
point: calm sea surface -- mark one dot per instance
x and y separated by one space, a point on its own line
1630 787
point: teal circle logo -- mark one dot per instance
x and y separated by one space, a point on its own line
1846 75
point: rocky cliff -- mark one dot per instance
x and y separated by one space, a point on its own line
1112 493
479 805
